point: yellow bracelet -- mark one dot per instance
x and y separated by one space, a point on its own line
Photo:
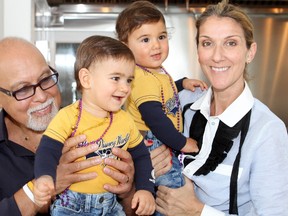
30 185
28 192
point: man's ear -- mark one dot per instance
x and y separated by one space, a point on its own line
84 77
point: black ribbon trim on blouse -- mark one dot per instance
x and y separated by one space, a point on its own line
233 205
221 145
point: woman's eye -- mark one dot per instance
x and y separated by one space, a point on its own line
206 43
231 43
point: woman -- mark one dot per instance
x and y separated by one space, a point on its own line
242 164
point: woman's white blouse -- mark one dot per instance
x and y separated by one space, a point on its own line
263 172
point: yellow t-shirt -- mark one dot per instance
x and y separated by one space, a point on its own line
122 133
147 87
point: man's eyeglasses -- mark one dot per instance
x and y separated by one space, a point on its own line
29 91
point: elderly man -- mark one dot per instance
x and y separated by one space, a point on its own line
29 98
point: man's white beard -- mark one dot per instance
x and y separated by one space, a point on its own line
41 123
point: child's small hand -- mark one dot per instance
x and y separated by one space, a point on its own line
191 84
145 201
190 147
43 190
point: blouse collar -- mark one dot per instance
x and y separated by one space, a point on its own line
236 111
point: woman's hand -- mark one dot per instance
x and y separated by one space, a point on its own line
161 160
179 201
67 170
124 174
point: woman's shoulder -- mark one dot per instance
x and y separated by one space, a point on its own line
264 121
189 97
262 113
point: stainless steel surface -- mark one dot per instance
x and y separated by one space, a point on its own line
273 3
268 71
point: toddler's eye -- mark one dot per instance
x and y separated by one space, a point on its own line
162 37
145 40
115 78
129 81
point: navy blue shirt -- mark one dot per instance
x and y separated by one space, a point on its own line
160 125
16 169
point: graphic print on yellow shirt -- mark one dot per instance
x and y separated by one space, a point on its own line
147 87
123 133
105 149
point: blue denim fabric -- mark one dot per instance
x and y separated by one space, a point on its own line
171 179
87 205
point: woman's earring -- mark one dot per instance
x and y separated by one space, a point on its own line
247 60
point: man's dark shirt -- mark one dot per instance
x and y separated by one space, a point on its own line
16 169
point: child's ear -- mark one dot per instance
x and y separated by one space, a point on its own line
125 43
84 77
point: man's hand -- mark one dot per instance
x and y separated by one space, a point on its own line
67 170
161 160
124 174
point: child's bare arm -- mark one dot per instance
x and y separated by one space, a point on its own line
191 84
43 190
190 146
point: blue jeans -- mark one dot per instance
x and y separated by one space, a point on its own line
171 179
87 205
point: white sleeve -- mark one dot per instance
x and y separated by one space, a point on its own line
208 211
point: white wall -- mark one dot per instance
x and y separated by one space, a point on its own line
17 18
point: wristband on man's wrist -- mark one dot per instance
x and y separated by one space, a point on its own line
28 192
